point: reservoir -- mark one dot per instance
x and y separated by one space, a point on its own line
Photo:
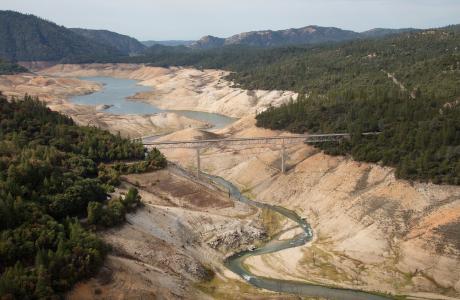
116 91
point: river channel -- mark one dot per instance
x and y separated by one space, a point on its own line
236 262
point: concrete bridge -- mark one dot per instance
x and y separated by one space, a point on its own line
281 141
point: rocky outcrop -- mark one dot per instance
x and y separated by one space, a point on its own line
208 42
237 238
295 36
270 38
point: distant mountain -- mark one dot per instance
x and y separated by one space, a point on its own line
123 43
269 38
208 42
171 43
306 35
382 32
29 38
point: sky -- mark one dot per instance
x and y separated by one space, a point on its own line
192 19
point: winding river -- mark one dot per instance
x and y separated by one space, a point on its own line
236 262
115 94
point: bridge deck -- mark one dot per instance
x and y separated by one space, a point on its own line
278 140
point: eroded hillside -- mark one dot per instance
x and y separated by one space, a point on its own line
175 245
373 231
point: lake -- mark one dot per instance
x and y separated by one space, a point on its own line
116 91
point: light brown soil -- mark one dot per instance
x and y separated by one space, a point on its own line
372 231
55 91
183 88
163 250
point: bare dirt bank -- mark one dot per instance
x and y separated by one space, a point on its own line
373 232
56 90
173 89
183 88
167 249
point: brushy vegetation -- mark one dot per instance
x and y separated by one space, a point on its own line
7 68
52 175
113 213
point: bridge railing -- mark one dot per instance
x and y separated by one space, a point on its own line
279 140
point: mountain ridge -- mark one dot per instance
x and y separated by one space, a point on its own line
28 38
25 37
382 32
312 34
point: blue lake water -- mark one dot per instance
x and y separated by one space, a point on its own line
116 91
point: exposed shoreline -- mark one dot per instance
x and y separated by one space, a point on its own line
173 89
56 91
183 88
374 232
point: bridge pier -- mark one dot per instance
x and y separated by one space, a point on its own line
198 162
283 157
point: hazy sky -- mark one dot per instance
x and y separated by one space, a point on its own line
191 19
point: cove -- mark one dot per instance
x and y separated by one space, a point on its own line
116 91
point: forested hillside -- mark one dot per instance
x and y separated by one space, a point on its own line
407 86
29 38
168 43
52 176
123 43
416 109
416 59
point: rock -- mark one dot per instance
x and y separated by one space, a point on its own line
103 106
236 238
